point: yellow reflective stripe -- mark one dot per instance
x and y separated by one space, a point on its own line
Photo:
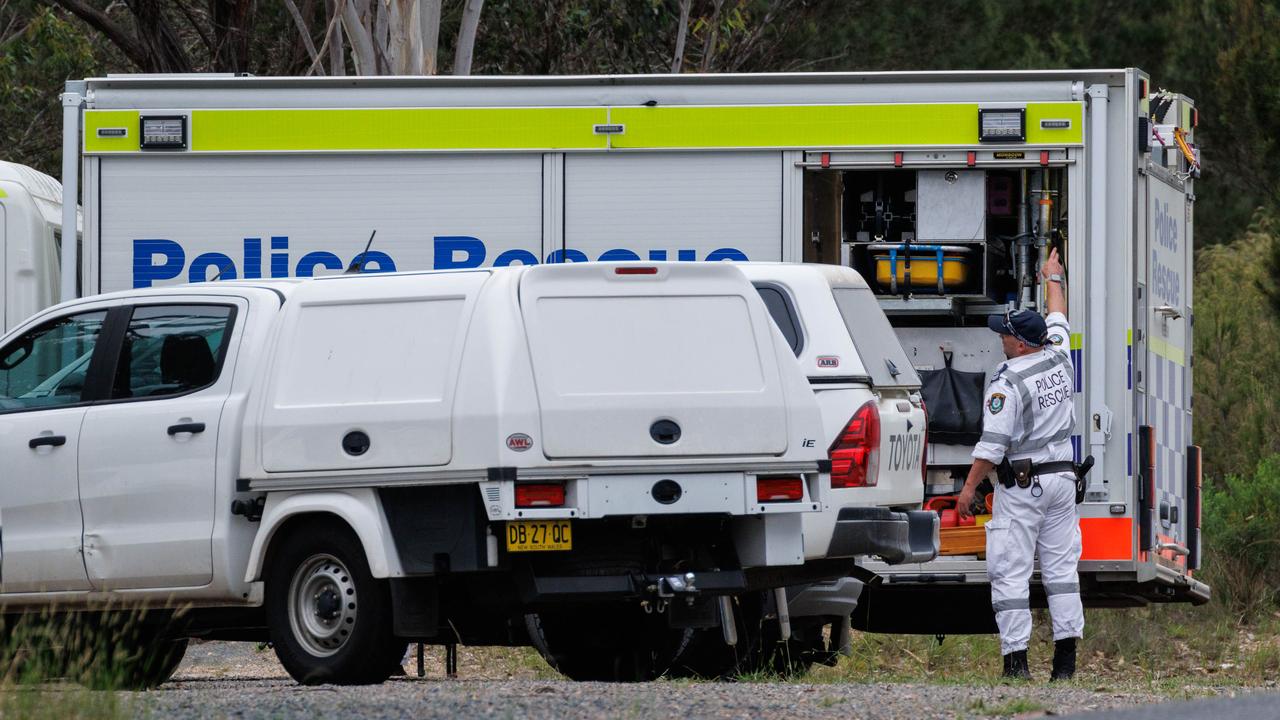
1167 351
397 129
3 194
824 126
1128 340
1072 111
763 126
127 119
1077 341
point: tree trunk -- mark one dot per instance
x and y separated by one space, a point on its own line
429 19
467 36
713 35
354 13
337 63
163 49
677 60
305 32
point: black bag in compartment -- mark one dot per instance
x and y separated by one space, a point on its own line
954 401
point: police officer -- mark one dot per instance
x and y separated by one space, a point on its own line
1028 416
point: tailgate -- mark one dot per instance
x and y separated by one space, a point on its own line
656 360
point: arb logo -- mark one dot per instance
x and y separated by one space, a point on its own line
519 442
828 361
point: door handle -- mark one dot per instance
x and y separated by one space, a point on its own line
50 440
192 428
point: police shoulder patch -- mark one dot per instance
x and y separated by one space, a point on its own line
1055 339
996 403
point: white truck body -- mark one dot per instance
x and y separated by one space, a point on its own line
278 177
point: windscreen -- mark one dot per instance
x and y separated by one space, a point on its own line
877 344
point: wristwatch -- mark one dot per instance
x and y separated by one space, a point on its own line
1055 277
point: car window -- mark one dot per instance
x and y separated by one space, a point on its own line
882 355
47 366
170 350
783 315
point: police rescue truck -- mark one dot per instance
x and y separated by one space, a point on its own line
945 190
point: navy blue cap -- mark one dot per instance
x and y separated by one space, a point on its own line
1025 325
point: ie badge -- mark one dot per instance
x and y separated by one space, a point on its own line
996 403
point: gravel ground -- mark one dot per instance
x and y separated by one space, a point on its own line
562 700
237 680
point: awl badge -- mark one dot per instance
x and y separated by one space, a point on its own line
519 442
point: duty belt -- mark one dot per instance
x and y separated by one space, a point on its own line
1024 474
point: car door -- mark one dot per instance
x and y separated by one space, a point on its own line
47 380
148 451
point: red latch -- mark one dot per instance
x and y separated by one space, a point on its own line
826 160
973 158
897 159
1044 158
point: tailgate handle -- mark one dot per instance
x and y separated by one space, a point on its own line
1174 548
50 440
193 428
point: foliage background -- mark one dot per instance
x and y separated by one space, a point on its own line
1223 53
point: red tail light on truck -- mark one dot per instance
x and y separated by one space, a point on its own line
855 455
779 489
534 495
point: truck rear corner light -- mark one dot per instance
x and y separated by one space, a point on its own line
855 455
539 495
779 489
163 132
1002 125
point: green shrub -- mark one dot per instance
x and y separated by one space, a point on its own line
1241 523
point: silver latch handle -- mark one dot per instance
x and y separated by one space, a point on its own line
1174 548
1168 312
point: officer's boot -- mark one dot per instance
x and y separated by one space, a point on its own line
1015 666
1064 659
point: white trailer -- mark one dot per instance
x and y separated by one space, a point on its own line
968 176
30 240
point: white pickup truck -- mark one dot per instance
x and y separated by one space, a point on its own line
345 464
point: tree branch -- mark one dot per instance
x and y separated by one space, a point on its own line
98 20
305 32
677 60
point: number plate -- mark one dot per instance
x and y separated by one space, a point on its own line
530 535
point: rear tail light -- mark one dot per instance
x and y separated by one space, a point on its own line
533 495
855 455
779 489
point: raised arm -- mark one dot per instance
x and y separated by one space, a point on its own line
1054 290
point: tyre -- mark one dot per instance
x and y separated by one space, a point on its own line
329 618
610 644
759 649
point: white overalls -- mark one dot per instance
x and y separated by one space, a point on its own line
1028 413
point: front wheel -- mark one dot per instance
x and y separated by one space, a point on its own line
329 618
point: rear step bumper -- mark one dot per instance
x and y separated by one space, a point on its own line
897 537
535 589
